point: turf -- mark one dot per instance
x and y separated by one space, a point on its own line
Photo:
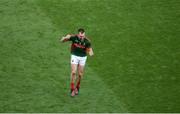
135 67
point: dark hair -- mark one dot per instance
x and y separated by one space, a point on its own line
81 30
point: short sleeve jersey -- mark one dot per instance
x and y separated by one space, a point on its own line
79 46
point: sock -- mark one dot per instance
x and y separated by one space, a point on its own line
78 85
72 86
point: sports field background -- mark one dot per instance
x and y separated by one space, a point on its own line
135 68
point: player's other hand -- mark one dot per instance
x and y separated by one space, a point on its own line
90 51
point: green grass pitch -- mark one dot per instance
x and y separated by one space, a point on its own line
136 65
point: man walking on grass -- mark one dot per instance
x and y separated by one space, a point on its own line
81 46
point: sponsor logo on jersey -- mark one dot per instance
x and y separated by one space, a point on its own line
79 45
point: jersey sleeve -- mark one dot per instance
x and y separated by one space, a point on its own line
88 45
72 38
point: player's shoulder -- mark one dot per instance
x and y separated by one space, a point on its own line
73 37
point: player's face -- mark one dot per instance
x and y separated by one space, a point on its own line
82 35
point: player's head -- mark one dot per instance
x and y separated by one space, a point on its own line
81 32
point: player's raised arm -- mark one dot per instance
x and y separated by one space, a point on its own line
65 38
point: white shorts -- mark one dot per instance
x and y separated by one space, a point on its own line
78 60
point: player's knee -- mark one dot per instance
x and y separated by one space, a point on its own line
80 74
73 76
73 73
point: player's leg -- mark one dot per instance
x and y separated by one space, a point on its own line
80 73
74 64
73 78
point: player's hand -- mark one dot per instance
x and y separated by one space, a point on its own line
62 39
66 38
90 51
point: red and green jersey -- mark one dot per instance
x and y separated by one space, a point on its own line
79 46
